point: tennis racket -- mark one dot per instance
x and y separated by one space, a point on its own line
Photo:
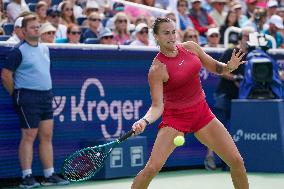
85 163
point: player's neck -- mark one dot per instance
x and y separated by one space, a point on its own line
169 52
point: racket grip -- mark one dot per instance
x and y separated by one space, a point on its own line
127 135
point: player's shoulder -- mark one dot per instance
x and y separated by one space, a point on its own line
157 66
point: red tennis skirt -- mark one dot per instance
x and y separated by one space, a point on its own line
188 120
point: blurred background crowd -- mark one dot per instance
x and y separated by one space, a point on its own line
129 22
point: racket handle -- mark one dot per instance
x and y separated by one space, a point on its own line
127 135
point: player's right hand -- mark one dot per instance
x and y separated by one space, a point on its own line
139 126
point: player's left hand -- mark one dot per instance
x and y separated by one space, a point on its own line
236 59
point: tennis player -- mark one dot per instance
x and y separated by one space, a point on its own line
177 93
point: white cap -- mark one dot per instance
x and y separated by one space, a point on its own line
92 4
193 1
212 31
46 27
277 21
272 3
140 26
18 22
218 1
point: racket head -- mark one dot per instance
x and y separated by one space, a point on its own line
85 163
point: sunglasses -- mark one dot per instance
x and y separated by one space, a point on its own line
68 9
183 5
95 19
50 33
107 37
144 31
121 21
214 35
55 15
191 36
75 32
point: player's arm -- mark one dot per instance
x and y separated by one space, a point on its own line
13 62
7 80
156 78
213 65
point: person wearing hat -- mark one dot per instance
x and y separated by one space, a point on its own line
141 36
241 17
213 37
258 19
275 25
47 33
94 22
106 37
271 8
251 5
201 20
218 13
17 33
53 16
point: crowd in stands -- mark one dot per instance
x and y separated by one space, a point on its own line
111 22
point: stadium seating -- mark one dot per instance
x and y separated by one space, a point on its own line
32 7
92 41
8 28
4 37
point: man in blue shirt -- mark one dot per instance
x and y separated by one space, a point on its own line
275 24
26 76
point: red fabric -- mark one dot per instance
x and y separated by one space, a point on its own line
201 29
183 89
188 120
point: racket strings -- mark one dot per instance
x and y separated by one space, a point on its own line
84 164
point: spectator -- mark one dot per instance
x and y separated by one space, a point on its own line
28 81
275 25
240 15
213 37
258 19
106 37
133 12
17 33
40 10
251 6
117 7
15 8
231 20
48 3
142 36
121 31
91 6
67 14
73 34
191 34
3 18
47 33
271 8
94 21
53 16
77 9
218 13
183 18
199 17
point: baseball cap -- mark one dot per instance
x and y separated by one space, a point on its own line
250 1
193 1
272 3
46 27
18 22
118 6
104 33
277 21
140 26
218 1
212 31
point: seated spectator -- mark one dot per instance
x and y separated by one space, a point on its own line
231 20
240 15
191 34
106 37
15 8
218 13
94 21
67 13
213 38
121 31
17 33
275 24
251 6
117 7
142 36
73 34
47 33
183 18
200 18
53 16
77 9
40 10
257 20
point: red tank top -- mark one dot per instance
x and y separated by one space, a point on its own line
183 88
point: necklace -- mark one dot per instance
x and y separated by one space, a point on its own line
171 53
